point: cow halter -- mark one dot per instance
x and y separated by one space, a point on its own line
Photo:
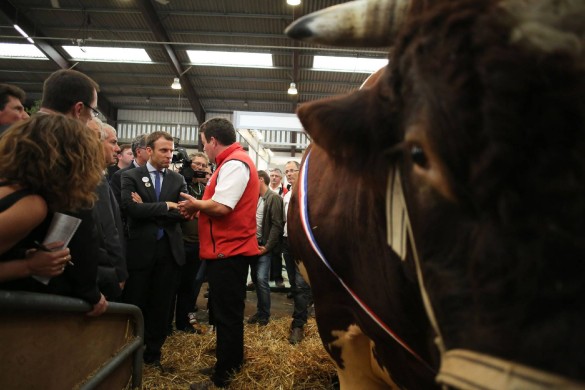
460 368
399 232
303 209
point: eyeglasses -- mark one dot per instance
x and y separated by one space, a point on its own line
290 171
94 111
198 164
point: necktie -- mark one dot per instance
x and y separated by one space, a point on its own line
160 232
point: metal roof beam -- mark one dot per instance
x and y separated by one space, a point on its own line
155 24
165 13
127 75
174 32
16 16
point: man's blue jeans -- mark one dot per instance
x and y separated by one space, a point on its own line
262 286
302 295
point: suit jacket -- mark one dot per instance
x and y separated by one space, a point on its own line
144 219
116 182
112 264
272 223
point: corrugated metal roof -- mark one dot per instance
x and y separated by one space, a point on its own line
226 25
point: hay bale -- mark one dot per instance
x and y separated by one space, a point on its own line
271 361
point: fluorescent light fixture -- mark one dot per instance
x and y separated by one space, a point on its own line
292 89
21 51
176 84
230 58
266 121
293 2
109 54
348 64
21 31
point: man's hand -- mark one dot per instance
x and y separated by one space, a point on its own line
262 250
188 207
136 198
172 205
99 308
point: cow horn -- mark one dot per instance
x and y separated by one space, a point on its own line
371 23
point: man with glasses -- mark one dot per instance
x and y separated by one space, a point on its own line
300 288
74 94
71 93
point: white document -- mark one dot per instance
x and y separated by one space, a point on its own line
62 228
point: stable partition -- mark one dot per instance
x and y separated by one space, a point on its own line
48 342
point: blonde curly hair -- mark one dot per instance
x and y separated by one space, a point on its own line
56 157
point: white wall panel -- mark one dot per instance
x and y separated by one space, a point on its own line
183 125
188 135
153 116
224 115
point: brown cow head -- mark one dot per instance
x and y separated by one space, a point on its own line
482 108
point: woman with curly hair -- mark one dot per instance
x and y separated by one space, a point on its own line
49 164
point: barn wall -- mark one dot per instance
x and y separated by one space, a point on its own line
184 126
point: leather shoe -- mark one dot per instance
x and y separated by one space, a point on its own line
208 371
296 335
155 364
255 319
189 329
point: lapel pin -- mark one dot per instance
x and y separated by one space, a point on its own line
145 179
147 184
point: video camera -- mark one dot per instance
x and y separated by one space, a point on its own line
180 156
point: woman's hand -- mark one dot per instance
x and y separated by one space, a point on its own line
43 263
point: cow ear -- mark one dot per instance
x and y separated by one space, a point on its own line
350 127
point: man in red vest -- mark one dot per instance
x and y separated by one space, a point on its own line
227 236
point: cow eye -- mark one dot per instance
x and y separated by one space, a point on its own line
418 156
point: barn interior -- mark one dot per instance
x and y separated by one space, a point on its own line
139 51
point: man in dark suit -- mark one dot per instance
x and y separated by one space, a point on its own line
155 248
112 270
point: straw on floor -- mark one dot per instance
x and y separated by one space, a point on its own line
271 361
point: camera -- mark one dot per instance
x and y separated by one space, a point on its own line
180 156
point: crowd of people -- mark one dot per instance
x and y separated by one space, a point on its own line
148 235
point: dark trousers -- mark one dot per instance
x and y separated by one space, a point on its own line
152 289
200 277
185 298
276 267
227 283
289 263
302 295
